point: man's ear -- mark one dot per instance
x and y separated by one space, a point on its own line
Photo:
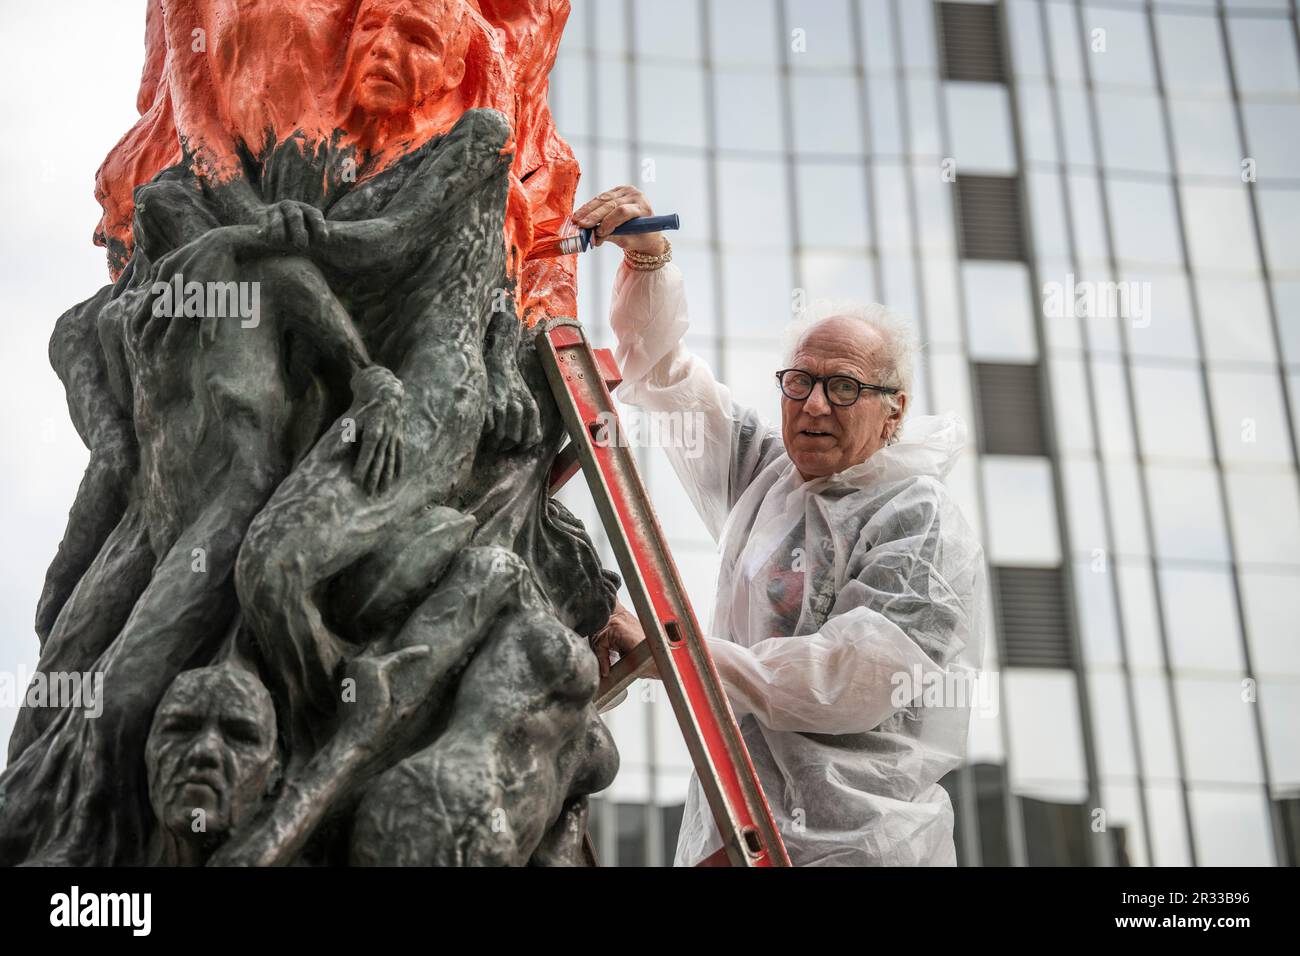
455 72
894 420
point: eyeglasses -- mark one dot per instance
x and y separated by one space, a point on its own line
841 390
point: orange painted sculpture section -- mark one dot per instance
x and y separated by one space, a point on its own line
226 82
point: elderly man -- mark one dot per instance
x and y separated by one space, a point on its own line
850 586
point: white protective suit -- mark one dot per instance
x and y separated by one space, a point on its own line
828 591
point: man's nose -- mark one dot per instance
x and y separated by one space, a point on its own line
815 403
382 46
206 750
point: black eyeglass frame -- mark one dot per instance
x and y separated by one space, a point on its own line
825 381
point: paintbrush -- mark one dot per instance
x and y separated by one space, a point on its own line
567 239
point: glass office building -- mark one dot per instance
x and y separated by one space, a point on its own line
1091 211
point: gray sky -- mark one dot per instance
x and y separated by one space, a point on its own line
68 78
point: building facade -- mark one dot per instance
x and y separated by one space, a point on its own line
1091 211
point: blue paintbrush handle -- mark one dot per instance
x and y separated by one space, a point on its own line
634 227
644 224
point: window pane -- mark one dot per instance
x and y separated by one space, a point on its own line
979 118
1249 417
1220 235
1280 218
759 290
923 108
1045 736
1231 827
827 37
747 108
1126 59
820 125
745 222
1090 243
1037 123
670 104
1205 136
1171 413
1021 511
837 276
1099 636
1188 520
998 308
1114 729
1142 216
1272 605
1168 826
1279 703
1167 330
1077 125
1265 517
1067 47
1235 320
1070 404
832 205
1286 293
740 31
1263 55
1191 54
1218 731
1156 728
1273 130
667 28
1026 38
1201 620
1132 132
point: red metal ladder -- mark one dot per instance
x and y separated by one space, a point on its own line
581 379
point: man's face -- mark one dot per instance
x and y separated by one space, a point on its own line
212 749
823 439
404 52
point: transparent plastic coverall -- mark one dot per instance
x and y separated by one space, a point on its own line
840 601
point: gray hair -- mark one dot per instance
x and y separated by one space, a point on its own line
896 332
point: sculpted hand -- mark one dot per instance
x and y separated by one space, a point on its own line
291 223
379 397
513 419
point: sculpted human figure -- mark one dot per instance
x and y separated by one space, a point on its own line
211 756
451 270
271 466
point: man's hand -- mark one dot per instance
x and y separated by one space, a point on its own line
291 224
379 398
610 210
622 634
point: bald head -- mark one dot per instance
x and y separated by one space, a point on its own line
868 344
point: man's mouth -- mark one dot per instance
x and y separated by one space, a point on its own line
210 781
382 73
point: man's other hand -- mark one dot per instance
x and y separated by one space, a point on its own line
622 634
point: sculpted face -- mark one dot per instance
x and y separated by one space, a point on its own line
211 748
403 53
823 439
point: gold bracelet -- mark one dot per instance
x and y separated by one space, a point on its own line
641 262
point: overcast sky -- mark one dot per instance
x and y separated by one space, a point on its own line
69 72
